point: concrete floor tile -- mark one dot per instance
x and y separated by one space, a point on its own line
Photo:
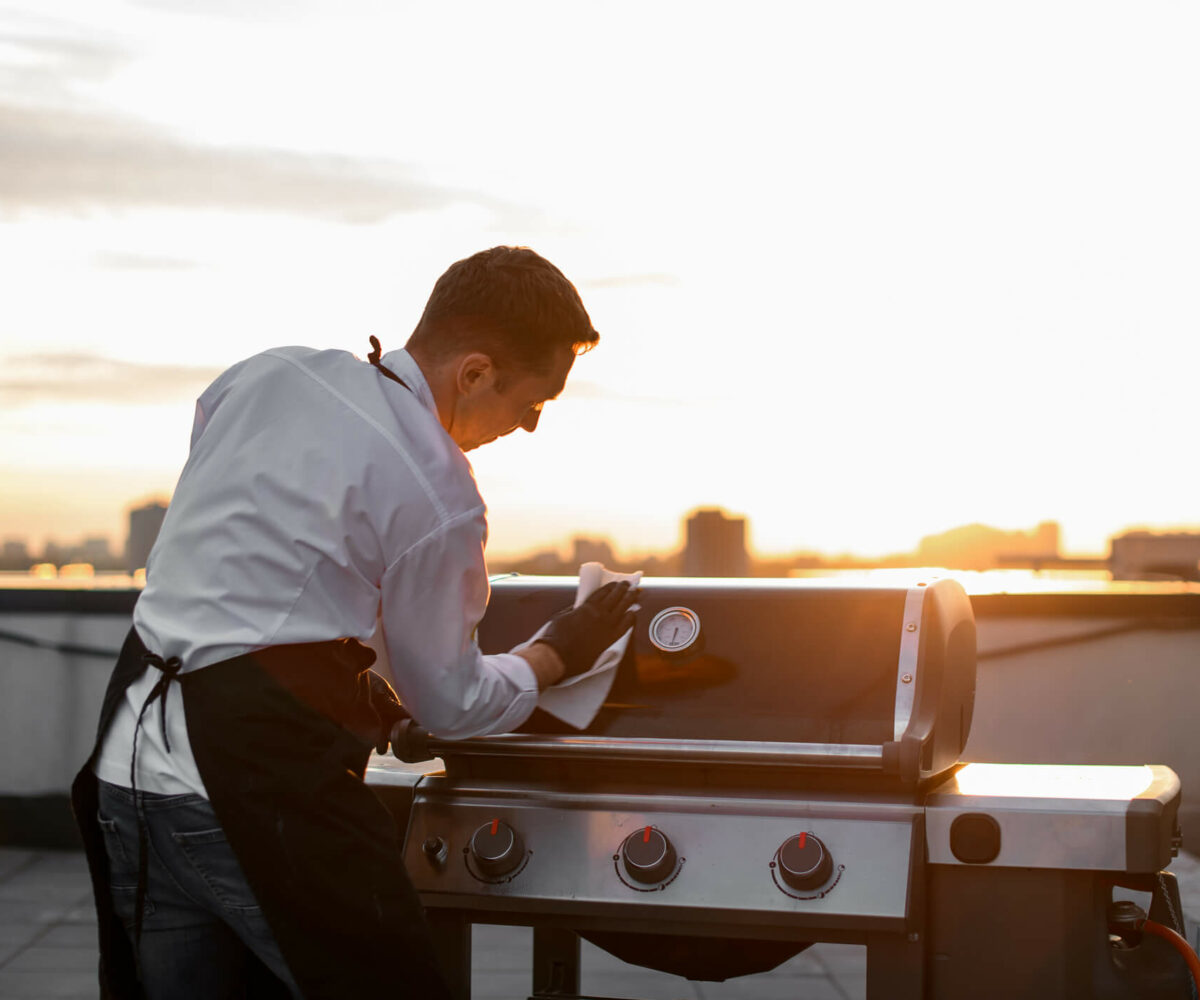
70 862
640 983
14 938
84 912
496 948
13 859
758 988
19 932
852 987
499 986
35 874
38 958
26 911
70 936
22 890
47 985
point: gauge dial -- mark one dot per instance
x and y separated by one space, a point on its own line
675 629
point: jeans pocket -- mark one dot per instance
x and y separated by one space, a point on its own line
122 871
211 857
124 900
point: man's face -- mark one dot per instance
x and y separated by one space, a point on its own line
487 412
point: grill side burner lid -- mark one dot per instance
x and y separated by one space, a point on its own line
792 673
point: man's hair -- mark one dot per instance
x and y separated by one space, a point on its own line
508 302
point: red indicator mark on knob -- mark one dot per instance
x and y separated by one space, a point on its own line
646 836
803 838
496 825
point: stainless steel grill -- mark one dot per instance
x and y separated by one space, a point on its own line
783 767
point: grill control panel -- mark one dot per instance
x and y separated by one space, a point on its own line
825 863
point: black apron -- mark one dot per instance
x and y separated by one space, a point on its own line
281 738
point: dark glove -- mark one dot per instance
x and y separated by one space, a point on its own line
387 706
579 635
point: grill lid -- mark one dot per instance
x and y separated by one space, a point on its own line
792 672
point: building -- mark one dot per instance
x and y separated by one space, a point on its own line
15 555
977 546
1141 555
592 550
716 545
95 550
144 523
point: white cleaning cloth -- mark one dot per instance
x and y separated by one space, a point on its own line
577 700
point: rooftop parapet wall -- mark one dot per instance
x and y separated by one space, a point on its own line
1077 678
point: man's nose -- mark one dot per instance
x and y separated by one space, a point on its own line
530 421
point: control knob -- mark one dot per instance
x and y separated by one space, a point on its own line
804 862
436 850
648 855
497 848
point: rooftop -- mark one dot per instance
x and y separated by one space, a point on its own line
48 947
1058 663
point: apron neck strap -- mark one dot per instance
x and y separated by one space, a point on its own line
373 358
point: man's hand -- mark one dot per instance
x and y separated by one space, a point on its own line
387 706
579 635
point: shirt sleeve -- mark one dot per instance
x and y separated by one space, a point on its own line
433 598
211 398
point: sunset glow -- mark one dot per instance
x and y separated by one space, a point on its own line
862 272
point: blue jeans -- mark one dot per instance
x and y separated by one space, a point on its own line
200 921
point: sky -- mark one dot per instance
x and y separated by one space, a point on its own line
862 272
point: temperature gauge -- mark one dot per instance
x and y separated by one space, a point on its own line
675 630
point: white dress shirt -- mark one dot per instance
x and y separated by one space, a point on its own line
318 499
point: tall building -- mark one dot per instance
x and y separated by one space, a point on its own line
55 553
15 555
95 550
716 545
591 550
1140 555
144 523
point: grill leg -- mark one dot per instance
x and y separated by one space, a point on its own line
555 962
895 968
452 943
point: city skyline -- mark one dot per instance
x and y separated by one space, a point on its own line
45 526
973 545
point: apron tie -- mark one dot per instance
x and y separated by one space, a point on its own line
374 357
168 671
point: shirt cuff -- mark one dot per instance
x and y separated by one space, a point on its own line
522 683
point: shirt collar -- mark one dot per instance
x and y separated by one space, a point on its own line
407 369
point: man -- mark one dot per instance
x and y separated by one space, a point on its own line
232 843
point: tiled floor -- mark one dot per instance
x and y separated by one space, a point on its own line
48 947
47 926
824 972
48 950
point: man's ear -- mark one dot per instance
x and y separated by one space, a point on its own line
475 371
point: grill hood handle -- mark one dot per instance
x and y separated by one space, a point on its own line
410 742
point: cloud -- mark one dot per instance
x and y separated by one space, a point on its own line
117 261
43 59
68 160
62 152
92 378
